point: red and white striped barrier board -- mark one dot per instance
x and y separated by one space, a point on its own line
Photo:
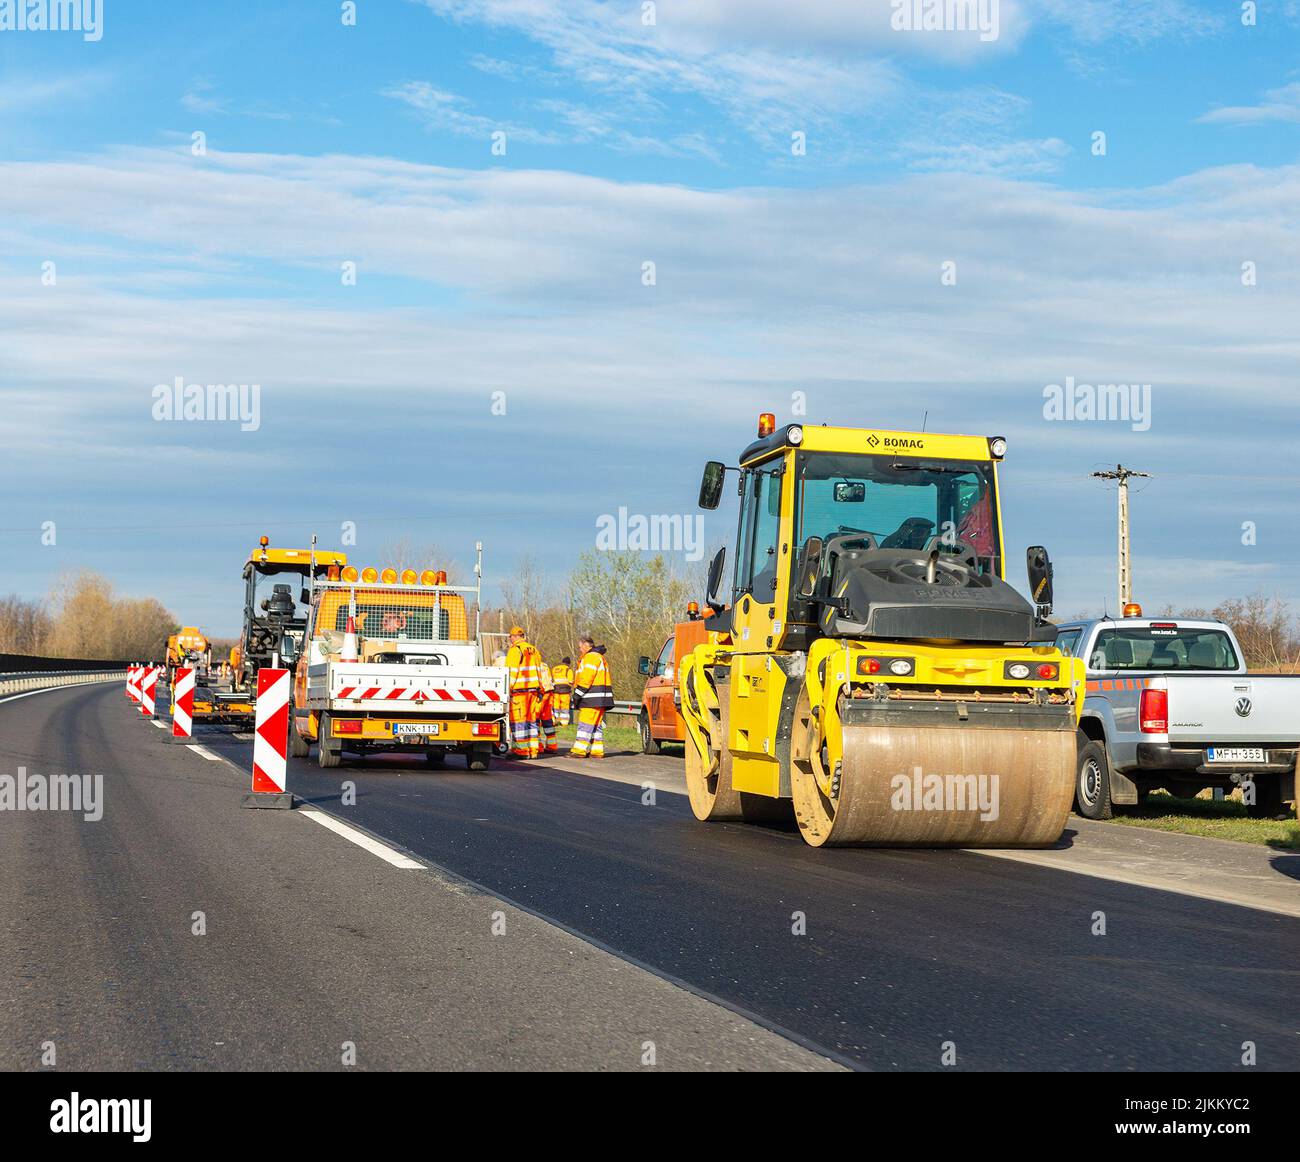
271 741
418 694
183 703
148 685
132 683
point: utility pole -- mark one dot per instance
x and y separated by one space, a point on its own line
1123 475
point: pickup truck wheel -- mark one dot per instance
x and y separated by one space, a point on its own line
649 744
1092 783
299 747
328 752
478 759
1268 798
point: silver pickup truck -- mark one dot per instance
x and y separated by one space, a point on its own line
1169 704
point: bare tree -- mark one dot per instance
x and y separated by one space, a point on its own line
404 553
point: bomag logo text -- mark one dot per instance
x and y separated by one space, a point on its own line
896 442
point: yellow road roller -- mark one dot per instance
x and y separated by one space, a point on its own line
872 674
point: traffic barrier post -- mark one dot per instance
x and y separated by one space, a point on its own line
148 688
183 703
271 742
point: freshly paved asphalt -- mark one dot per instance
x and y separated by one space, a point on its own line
314 949
901 952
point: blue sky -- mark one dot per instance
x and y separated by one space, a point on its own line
629 142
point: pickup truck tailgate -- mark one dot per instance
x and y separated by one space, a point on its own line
392 687
1233 708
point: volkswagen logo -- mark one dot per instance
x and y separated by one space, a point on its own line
1244 706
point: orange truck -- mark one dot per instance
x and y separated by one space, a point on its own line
188 646
660 719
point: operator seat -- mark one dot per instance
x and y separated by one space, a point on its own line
281 603
912 534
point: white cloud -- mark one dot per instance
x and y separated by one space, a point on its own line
1282 104
529 282
19 93
737 60
1019 158
771 286
1137 22
439 109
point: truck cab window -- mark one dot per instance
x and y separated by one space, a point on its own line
665 659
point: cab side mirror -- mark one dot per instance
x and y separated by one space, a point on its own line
715 576
1039 566
711 484
304 596
809 568
643 667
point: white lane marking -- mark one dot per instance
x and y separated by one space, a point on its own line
1217 895
396 858
51 689
203 750
159 725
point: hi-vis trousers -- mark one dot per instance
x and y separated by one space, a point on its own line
546 721
591 734
524 709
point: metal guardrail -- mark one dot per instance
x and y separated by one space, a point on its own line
37 679
626 708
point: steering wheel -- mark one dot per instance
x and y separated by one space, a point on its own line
871 540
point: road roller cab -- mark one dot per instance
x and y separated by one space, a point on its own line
874 674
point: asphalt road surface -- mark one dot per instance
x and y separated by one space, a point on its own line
724 945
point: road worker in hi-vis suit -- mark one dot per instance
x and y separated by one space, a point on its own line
524 663
593 695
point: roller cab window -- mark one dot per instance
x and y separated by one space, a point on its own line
760 533
900 503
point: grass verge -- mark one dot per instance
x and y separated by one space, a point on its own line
1224 819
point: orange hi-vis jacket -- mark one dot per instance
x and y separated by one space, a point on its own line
562 675
525 665
592 685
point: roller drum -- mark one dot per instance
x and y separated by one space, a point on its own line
940 786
